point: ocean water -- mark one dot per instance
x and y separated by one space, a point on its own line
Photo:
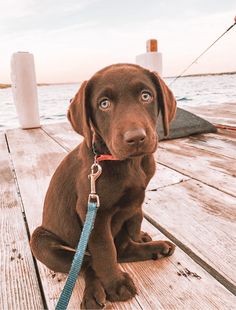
189 91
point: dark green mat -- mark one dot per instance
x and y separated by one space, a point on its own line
185 124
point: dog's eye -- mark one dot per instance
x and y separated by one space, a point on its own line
146 96
104 104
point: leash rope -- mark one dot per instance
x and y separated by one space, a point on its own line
78 257
195 60
93 205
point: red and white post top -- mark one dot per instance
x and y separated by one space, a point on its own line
152 59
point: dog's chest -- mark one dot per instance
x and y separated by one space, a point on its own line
123 188
132 196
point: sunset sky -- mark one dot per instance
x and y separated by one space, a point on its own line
72 39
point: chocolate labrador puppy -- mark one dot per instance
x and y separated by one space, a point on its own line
116 112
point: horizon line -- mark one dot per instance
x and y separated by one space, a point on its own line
6 85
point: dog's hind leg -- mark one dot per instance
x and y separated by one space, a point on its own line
51 250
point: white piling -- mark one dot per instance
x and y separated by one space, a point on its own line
152 59
24 88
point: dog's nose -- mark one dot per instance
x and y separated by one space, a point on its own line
135 137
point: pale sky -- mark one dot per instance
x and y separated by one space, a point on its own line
73 39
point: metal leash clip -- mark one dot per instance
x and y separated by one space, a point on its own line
96 171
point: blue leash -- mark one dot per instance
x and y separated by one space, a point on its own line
78 257
93 204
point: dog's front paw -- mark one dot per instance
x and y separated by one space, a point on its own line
94 297
121 289
163 248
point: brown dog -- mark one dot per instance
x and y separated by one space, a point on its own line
116 112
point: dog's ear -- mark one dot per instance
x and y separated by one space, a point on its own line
167 102
78 115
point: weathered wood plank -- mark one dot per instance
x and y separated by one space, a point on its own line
216 143
224 113
201 218
18 279
45 155
64 134
212 169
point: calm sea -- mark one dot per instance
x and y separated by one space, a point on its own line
189 91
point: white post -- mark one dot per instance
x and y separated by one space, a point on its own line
152 59
24 88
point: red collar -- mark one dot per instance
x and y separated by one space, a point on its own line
105 157
102 157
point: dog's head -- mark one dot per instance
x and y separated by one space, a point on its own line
119 106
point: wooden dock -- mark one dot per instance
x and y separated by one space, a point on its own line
191 200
